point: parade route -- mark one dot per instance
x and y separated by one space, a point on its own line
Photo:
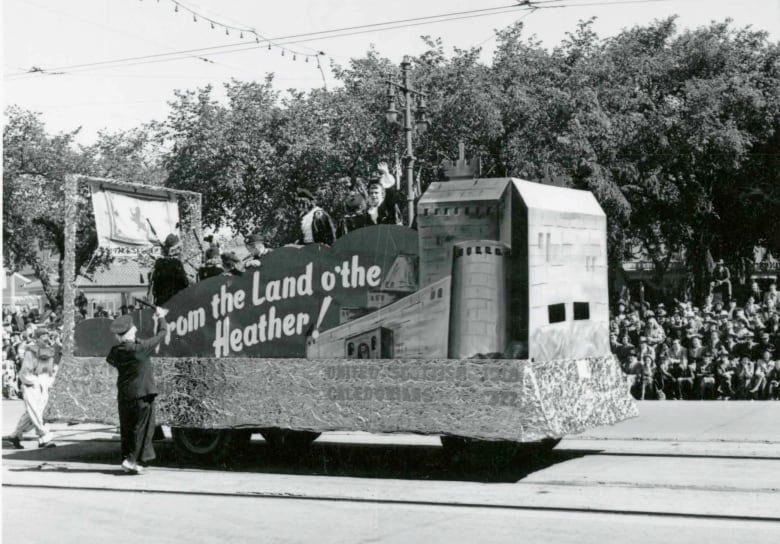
711 471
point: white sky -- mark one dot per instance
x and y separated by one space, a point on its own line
50 34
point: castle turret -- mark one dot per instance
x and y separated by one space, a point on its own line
479 316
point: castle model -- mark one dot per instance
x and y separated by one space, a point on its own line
507 268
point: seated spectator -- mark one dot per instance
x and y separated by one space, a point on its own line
703 386
749 382
664 383
644 387
696 349
723 378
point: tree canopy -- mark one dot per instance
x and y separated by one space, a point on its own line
676 133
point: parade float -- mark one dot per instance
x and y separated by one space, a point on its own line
486 324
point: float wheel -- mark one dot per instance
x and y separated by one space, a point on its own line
212 445
286 441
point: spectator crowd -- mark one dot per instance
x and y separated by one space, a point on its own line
717 351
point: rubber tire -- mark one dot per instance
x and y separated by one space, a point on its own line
287 441
209 445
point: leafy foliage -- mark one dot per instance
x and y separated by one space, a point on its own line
676 133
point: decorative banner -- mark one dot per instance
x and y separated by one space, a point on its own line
128 220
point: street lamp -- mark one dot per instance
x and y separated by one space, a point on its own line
406 97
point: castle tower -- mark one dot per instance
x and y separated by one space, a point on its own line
479 315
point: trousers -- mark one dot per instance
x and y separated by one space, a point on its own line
35 398
136 428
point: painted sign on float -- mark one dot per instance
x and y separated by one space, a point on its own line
280 308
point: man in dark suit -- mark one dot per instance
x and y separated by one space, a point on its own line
380 210
136 389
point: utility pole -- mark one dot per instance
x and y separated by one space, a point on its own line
407 96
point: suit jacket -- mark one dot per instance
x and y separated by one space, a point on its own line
133 361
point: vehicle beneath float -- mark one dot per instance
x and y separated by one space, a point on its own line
486 325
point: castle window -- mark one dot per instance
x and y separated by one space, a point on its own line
581 311
457 211
466 210
478 250
433 294
436 211
556 313
547 256
468 251
425 211
489 250
446 211
440 292
459 252
498 251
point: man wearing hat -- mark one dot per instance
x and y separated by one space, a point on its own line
212 265
136 389
255 245
39 366
168 276
315 225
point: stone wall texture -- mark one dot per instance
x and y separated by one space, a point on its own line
515 400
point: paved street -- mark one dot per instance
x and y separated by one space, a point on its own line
680 472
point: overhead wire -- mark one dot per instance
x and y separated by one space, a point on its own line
282 40
285 39
318 35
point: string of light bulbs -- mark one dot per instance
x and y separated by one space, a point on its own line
197 16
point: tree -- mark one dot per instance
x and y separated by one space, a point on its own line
35 164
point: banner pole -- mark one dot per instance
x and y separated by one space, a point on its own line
69 264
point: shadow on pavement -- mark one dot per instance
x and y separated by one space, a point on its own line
402 462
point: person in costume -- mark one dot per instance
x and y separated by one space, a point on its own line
39 367
314 224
